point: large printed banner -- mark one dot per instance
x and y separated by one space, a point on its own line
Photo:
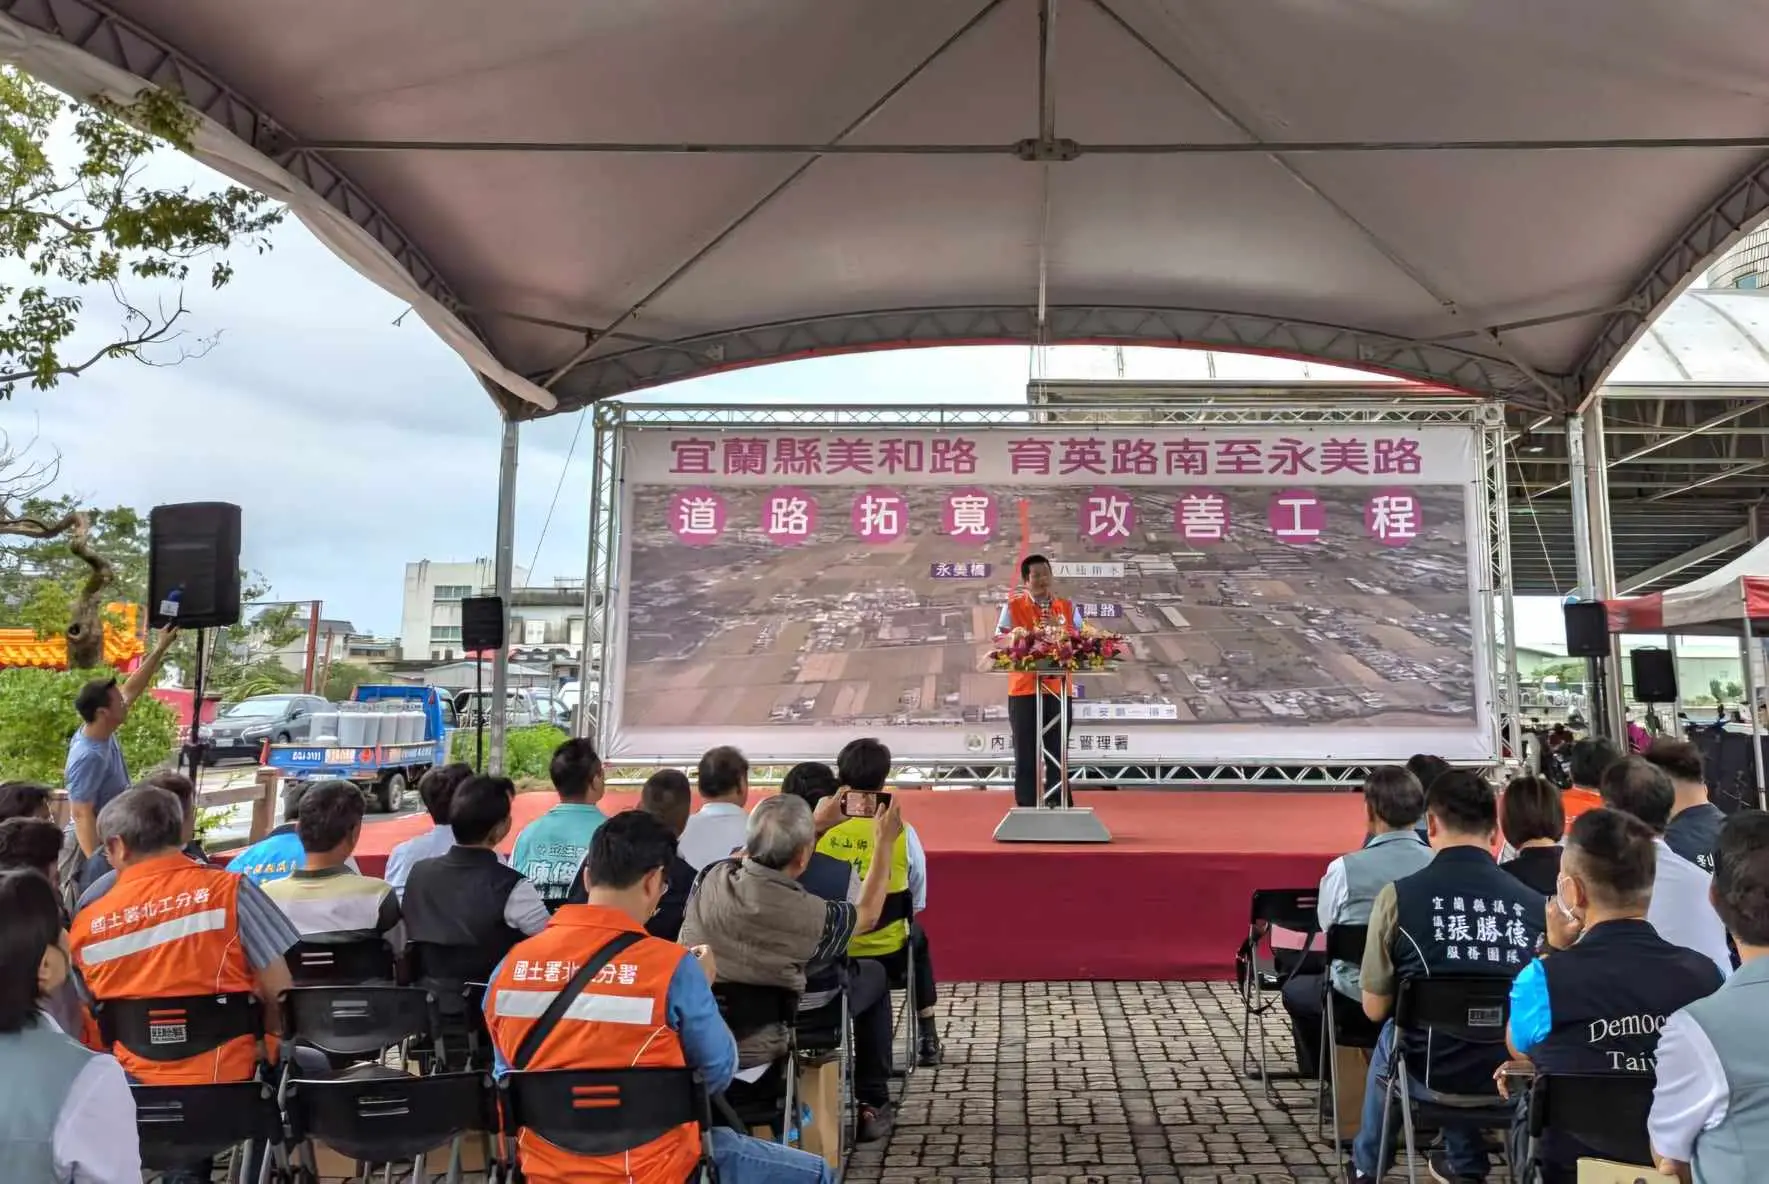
1296 594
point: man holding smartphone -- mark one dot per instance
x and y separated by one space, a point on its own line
1034 605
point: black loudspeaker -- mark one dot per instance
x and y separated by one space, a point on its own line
1587 630
1655 676
482 623
193 565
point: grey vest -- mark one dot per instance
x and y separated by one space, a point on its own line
1732 1019
1388 857
41 1065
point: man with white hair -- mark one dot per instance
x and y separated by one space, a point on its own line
765 929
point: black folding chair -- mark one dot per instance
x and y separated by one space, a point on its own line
359 1022
1290 909
341 964
397 1119
1604 1112
606 1112
748 1009
457 977
1470 1008
180 1125
1344 943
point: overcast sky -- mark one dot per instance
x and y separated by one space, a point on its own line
355 441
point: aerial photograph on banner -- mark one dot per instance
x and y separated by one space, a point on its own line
876 607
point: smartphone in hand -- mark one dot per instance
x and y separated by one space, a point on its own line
858 803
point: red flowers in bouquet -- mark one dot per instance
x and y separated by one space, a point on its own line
1046 647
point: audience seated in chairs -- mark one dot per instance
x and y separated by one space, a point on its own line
1459 915
716 829
1533 822
898 942
1682 909
667 797
550 850
66 1113
1594 1001
1694 829
327 902
436 789
1710 1111
640 1002
1394 803
766 930
170 929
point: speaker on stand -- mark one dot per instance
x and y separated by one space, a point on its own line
193 583
1587 637
482 628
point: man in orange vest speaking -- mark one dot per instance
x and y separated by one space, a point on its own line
649 1005
1035 604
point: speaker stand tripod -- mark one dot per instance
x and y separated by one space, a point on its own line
191 755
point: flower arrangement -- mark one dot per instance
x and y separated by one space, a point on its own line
1048 647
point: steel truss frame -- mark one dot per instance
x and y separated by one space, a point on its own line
1494 616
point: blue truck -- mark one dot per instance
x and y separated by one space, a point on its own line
386 772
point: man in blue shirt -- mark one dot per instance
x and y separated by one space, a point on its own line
280 853
552 847
95 772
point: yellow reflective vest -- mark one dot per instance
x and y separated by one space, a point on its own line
851 842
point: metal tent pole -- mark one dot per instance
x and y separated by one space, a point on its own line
504 577
1747 645
1603 557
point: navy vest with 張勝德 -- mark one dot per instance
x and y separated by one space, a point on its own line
1462 915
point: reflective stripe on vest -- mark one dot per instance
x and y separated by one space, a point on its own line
169 928
1023 613
851 842
620 1021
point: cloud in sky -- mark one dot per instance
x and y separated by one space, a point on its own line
356 441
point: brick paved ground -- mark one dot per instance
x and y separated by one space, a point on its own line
1107 1083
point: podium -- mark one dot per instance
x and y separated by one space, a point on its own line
1056 818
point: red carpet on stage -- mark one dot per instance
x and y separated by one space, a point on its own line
1165 899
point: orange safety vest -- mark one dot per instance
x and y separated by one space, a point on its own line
1023 613
620 1021
168 928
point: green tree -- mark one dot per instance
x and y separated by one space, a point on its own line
241 658
37 719
1734 692
79 217
342 678
1566 672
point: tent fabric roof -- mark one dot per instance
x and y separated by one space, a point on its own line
589 199
1719 602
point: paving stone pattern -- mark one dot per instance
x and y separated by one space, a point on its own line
1101 1083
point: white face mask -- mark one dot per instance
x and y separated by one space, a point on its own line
1566 910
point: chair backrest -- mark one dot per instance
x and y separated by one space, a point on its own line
179 1125
358 1021
749 1008
1604 1111
1294 909
391 1117
178 1027
1345 943
604 1112
1474 1008
340 964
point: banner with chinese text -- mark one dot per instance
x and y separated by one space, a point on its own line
1295 594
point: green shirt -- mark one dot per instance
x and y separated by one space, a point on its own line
550 849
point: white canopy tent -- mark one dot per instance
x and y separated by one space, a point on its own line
1731 601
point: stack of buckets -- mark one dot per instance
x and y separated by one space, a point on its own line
369 725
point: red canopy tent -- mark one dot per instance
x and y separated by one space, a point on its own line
1721 602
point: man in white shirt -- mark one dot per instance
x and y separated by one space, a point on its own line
1681 911
717 829
1710 1108
436 789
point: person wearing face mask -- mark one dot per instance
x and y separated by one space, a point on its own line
1605 983
66 1112
639 1002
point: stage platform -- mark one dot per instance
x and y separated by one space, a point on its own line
1166 899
